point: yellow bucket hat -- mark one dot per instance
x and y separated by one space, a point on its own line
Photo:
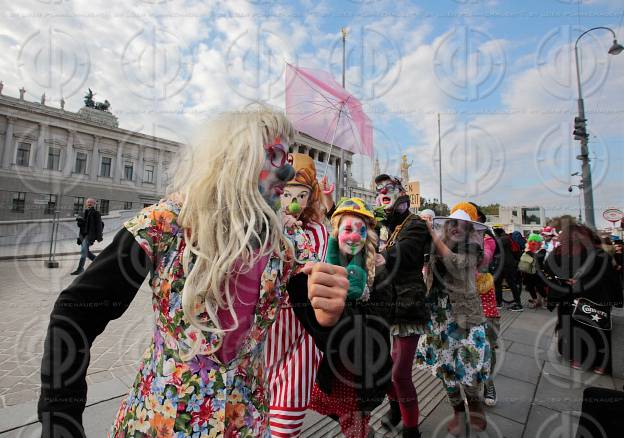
354 206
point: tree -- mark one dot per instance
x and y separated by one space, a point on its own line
490 209
434 204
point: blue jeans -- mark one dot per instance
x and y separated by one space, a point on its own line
84 253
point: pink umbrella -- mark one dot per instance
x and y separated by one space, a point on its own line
318 105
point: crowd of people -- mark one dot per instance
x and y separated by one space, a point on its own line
270 299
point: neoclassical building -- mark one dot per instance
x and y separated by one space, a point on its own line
52 160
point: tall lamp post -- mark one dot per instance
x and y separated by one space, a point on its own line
580 132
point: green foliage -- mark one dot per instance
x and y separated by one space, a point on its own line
434 204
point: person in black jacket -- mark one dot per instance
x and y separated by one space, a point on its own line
404 241
354 374
507 269
580 269
91 228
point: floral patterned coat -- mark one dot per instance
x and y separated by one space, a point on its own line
200 397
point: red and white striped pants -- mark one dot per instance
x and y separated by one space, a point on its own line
292 361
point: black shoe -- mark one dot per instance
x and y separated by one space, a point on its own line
77 271
490 394
516 308
411 432
393 417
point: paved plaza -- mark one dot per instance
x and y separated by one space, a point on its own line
539 396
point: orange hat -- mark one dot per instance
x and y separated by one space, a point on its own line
305 170
467 208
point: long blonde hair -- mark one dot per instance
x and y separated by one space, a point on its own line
370 247
224 216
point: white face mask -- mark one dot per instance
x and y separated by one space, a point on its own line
295 199
352 234
387 194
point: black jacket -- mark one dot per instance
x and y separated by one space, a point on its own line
596 278
359 343
404 264
91 225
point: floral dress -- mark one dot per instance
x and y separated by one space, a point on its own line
459 355
201 397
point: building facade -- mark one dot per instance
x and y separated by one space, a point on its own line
335 163
52 160
525 219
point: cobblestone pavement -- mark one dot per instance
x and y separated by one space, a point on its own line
28 292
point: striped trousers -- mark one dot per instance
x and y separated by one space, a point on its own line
292 361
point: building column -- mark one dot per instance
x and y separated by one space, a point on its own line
118 163
40 152
140 166
338 177
95 158
69 153
159 170
7 152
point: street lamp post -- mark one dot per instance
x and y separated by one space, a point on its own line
588 195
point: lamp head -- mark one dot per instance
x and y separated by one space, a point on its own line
616 48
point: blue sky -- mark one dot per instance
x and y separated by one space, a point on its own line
501 74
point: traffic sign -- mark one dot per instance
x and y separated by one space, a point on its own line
613 214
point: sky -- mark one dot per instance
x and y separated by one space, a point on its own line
500 74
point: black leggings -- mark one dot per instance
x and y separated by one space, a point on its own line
511 275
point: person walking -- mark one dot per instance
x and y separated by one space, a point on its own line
291 357
406 240
456 347
507 270
354 376
529 263
584 286
90 229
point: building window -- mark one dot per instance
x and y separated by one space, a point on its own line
81 163
148 176
104 206
23 154
19 200
51 206
530 216
105 166
54 159
128 205
128 170
79 203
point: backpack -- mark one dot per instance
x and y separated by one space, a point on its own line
527 264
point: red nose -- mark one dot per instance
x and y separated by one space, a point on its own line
383 191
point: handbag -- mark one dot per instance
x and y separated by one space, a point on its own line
594 315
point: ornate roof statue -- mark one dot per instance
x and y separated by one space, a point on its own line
88 99
405 169
91 103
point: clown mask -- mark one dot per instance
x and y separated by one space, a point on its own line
295 199
387 194
351 234
275 173
534 246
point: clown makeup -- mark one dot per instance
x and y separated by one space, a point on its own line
457 230
274 174
351 234
387 194
295 199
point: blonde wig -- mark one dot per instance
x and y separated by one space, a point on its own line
224 216
369 247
